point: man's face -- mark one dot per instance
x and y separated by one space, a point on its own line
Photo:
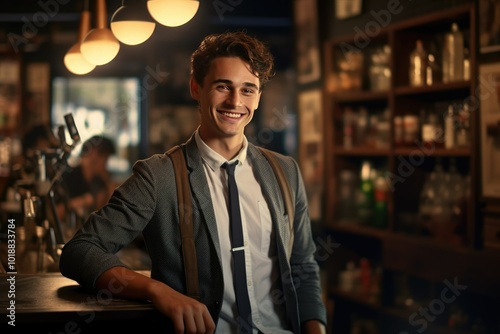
228 98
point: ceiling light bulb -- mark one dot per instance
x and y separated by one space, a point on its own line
74 60
173 13
100 46
132 24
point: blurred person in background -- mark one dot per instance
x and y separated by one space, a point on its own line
88 185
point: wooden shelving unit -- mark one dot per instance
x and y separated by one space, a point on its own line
393 248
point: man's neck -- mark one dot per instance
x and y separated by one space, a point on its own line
227 147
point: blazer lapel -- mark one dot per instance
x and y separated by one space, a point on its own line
201 191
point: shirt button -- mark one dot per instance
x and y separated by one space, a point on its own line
249 283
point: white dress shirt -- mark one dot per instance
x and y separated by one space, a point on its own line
263 281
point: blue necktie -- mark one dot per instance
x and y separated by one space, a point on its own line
238 250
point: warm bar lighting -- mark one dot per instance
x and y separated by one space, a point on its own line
132 24
173 13
100 46
74 60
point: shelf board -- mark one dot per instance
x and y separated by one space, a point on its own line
403 151
360 151
360 96
454 152
436 88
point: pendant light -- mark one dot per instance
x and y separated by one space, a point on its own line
74 60
173 13
100 46
132 24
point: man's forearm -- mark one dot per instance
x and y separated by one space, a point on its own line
125 283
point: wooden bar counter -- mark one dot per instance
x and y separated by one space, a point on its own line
52 303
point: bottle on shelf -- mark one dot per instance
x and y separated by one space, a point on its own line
463 128
453 55
418 64
411 129
449 128
383 130
426 200
365 194
398 131
348 185
347 277
380 71
361 126
466 64
432 132
365 276
381 193
432 70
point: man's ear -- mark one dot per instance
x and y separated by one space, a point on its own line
194 88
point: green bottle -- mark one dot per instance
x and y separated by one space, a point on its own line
365 198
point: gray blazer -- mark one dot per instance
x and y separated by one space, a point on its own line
147 202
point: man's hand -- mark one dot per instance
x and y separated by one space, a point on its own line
187 314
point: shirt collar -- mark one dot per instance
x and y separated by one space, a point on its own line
213 159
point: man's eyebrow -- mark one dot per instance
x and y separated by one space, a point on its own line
229 82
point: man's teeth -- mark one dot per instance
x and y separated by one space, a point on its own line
232 115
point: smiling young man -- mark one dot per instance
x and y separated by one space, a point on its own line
228 73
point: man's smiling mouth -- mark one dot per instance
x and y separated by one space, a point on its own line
231 114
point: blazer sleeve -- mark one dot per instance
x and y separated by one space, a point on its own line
92 249
304 266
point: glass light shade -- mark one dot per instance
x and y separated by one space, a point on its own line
100 46
173 13
75 62
132 32
132 24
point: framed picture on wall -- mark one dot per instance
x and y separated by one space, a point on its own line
489 26
307 41
489 79
311 155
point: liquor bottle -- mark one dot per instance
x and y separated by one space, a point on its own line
449 128
453 55
365 198
381 193
418 65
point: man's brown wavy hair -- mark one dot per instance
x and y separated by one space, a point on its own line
233 44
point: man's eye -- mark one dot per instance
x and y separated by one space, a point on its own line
223 87
248 91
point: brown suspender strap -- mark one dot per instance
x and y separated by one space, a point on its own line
286 190
185 221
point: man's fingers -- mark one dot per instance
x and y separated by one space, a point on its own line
209 322
193 319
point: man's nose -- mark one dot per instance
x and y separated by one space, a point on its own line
234 99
